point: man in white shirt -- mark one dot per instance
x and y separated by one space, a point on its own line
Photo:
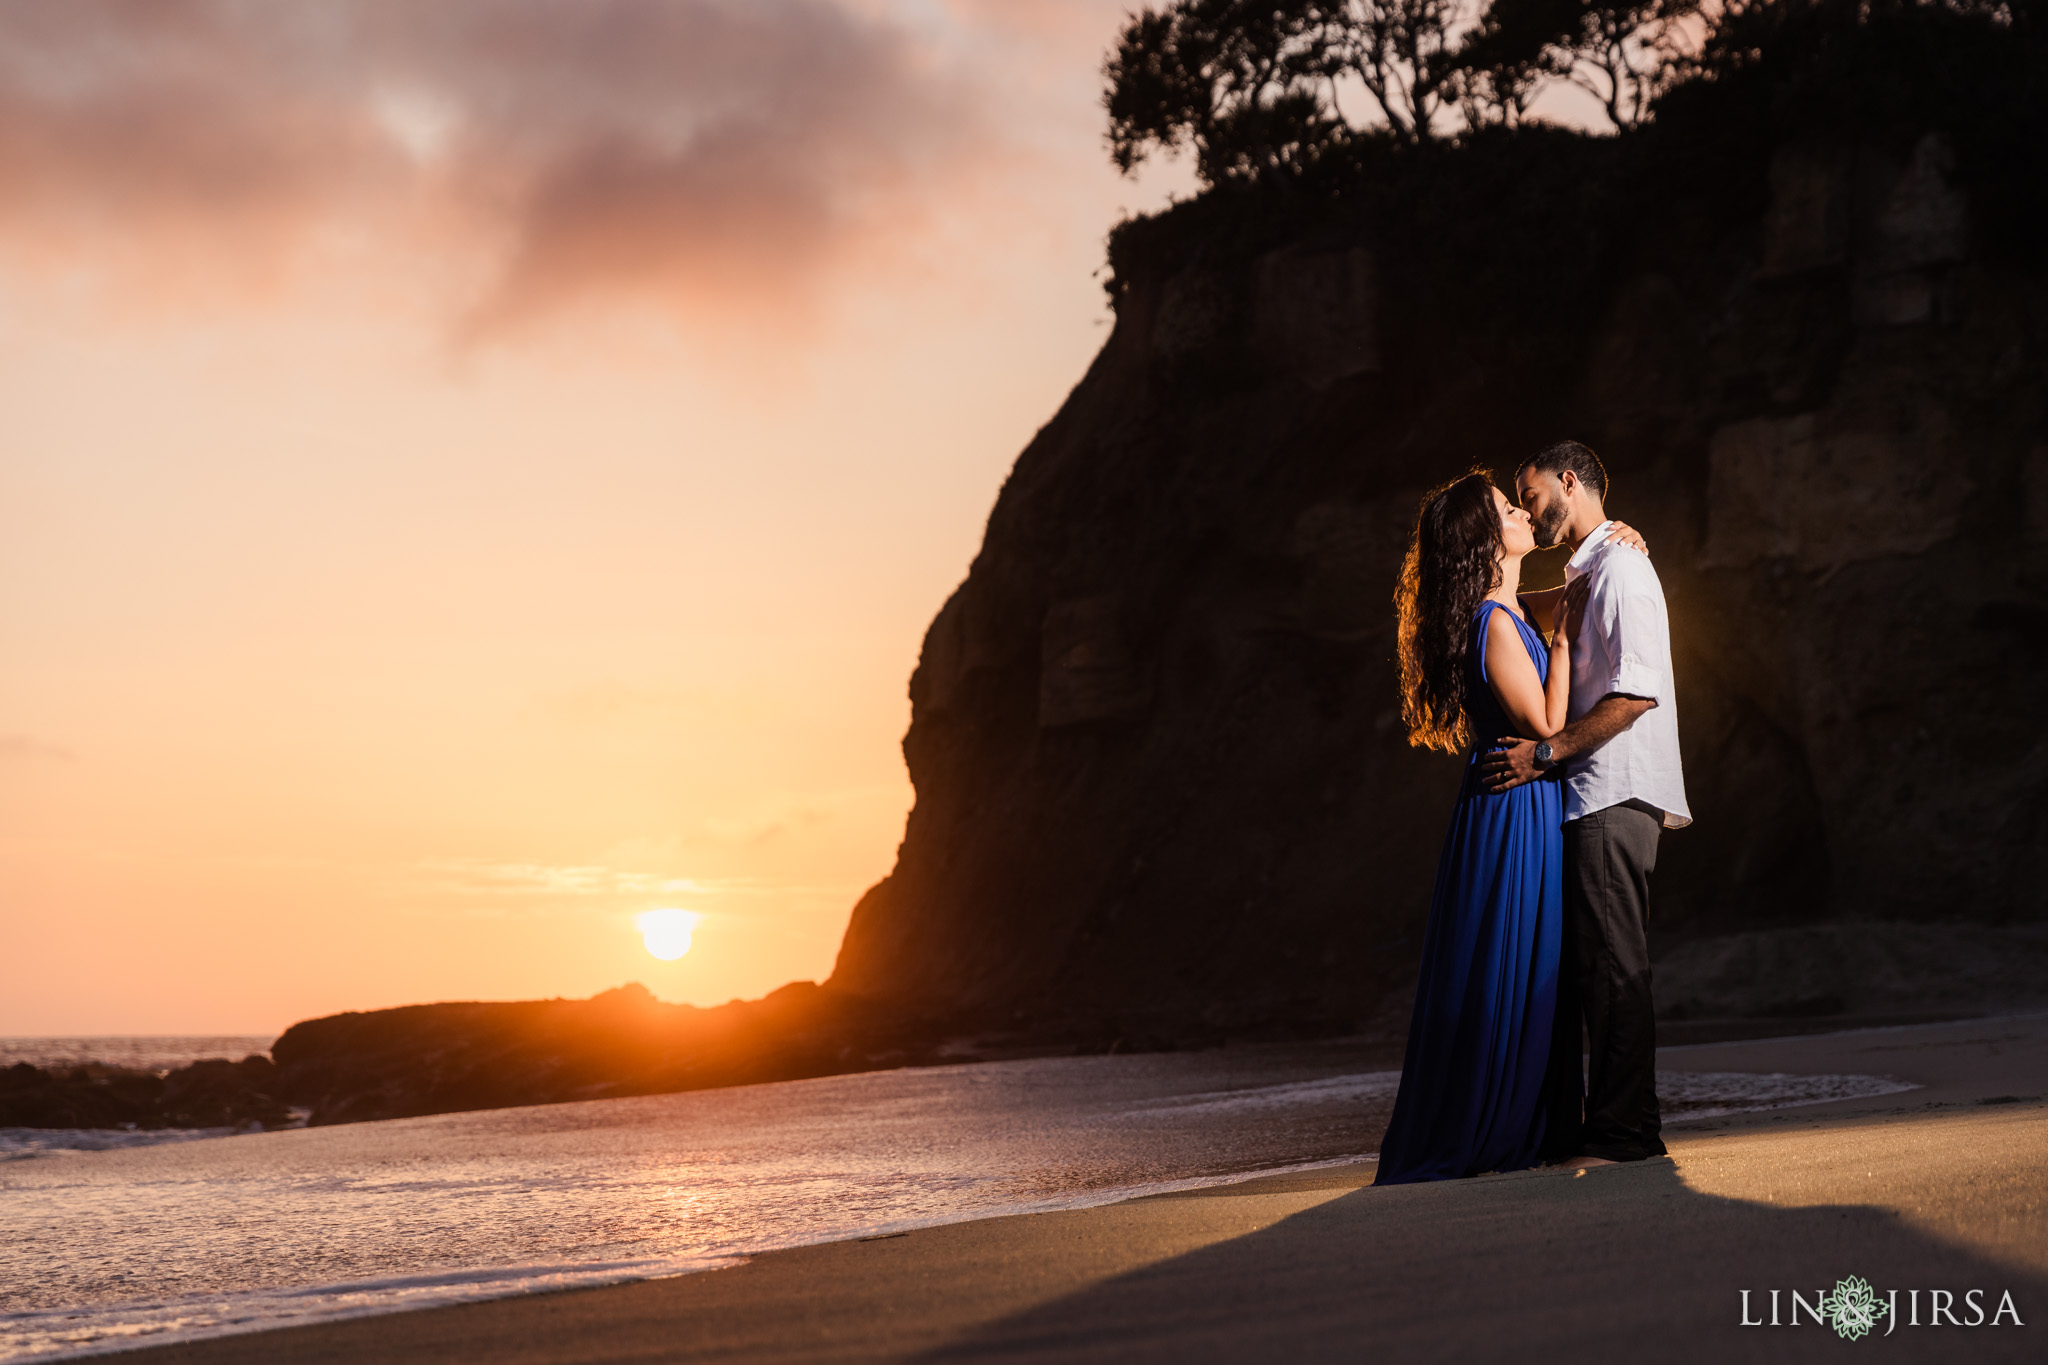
1619 753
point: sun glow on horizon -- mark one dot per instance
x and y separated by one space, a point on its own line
485 628
667 932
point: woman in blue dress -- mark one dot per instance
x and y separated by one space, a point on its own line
1473 667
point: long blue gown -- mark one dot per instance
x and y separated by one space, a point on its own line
1472 1095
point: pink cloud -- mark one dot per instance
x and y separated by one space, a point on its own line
694 153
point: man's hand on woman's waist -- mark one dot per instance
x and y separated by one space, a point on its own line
1511 766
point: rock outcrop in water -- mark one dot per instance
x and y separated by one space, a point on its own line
431 1059
214 1093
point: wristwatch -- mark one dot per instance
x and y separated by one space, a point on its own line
1544 759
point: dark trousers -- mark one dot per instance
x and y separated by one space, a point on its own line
1604 989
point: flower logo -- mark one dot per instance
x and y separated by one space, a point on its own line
1853 1309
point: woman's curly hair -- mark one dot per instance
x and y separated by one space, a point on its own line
1453 563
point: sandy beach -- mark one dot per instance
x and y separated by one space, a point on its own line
1940 1188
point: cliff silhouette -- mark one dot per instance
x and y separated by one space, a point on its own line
1163 795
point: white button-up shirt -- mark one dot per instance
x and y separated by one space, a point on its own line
1624 646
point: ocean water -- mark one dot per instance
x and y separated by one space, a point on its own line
154 1053
129 1245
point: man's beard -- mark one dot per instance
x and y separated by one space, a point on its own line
1548 525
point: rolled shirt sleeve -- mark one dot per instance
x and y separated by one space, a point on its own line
1634 678
1635 634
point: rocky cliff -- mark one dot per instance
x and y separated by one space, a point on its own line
1162 791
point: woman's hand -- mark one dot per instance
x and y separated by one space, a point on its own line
1571 612
1625 534
1540 606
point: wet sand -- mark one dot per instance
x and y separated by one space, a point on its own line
1944 1188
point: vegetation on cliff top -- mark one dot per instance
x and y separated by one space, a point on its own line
1500 238
1266 97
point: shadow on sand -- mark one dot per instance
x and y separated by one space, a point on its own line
1624 1263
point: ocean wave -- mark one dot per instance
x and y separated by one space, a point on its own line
17 1144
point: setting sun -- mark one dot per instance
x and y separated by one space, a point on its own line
667 932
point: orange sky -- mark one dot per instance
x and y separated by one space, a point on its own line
471 473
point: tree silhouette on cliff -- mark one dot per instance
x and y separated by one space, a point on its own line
1266 91
1257 88
1234 80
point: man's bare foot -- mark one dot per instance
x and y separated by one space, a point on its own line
1580 1163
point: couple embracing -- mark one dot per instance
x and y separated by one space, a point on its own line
1537 924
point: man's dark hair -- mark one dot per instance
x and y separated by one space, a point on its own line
1580 460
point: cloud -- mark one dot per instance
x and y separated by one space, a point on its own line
29 749
695 153
539 889
481 877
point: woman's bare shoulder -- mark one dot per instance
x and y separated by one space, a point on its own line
1500 625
